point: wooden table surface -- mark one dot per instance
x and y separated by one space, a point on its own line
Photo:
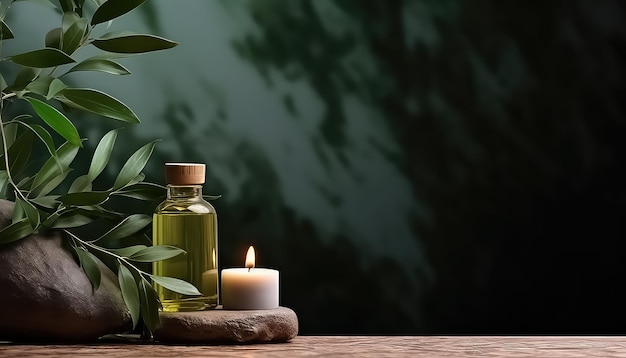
357 346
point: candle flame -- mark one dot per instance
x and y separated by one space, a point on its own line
250 258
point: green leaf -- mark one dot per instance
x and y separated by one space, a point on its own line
112 9
5 31
176 285
15 231
10 132
130 293
90 266
53 183
84 198
40 85
99 103
49 202
4 182
136 43
156 253
19 153
73 37
143 191
138 179
52 169
55 87
69 220
115 34
149 305
134 165
102 154
128 251
102 213
18 213
53 38
66 5
46 57
25 183
126 227
100 65
43 135
56 120
80 184
51 219
24 77
69 18
32 214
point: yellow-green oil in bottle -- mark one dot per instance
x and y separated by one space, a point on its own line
187 221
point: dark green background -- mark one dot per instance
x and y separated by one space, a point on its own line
430 167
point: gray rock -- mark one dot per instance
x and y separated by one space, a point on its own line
45 295
224 326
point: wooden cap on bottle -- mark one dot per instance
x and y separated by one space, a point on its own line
184 173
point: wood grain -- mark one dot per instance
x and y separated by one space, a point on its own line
361 346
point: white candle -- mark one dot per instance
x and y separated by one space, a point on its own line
249 288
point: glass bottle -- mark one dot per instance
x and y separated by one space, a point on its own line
187 221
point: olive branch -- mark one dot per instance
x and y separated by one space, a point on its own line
121 242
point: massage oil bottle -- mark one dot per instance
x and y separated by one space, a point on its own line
187 221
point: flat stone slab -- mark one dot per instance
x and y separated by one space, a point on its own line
220 326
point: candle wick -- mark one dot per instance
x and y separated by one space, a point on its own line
249 269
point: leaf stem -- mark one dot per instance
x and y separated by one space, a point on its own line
8 95
105 251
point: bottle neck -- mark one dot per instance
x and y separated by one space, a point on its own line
184 191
